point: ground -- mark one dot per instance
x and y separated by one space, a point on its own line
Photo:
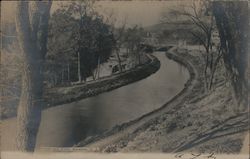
203 126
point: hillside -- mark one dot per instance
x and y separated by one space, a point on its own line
172 31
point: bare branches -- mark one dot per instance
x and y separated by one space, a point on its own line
199 37
197 14
121 31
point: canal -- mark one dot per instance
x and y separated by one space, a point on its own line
67 124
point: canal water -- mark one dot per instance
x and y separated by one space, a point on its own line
65 125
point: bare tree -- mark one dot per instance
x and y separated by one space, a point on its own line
118 40
198 14
133 40
32 31
118 34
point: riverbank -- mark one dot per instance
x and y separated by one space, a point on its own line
67 94
63 95
191 121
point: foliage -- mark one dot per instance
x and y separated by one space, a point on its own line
76 29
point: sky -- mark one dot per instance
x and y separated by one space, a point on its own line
142 13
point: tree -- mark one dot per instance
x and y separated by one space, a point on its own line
134 37
118 34
198 14
61 50
32 29
105 43
81 31
233 23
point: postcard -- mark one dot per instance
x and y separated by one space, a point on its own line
88 79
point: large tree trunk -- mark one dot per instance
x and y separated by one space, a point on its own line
29 110
33 48
232 23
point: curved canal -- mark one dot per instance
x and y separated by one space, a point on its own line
65 125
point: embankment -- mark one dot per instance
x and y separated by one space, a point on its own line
58 96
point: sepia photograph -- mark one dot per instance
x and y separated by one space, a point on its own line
124 79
